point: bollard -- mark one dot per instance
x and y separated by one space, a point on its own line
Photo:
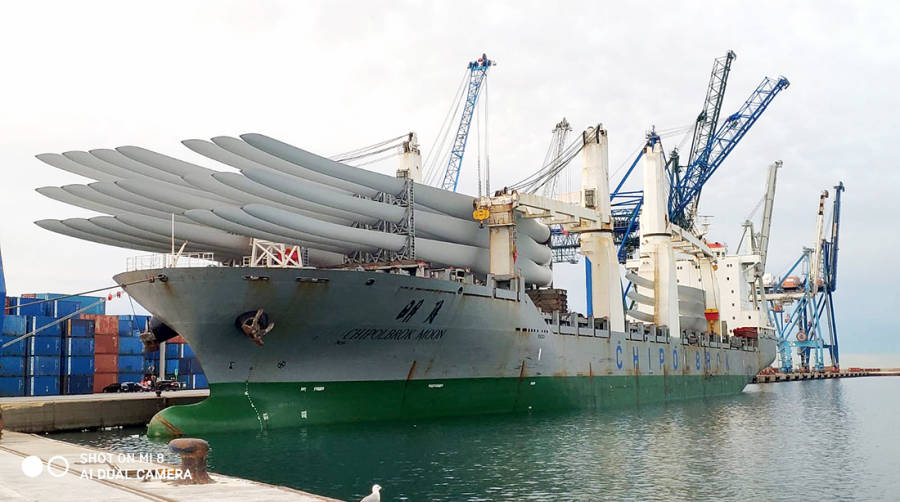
193 459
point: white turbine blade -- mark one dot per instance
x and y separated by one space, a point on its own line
58 227
58 161
247 151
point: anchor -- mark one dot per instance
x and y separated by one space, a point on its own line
255 325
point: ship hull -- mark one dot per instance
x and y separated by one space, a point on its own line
356 346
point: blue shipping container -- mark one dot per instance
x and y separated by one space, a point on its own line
130 377
16 349
186 381
130 346
12 366
78 346
171 366
29 307
132 325
200 381
40 321
43 365
14 325
131 364
78 384
173 350
186 350
43 386
12 386
63 308
189 366
39 345
79 365
81 327
82 301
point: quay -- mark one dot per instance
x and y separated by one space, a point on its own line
821 375
89 411
63 471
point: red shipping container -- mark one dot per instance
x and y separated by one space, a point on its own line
106 344
101 380
104 324
106 363
176 340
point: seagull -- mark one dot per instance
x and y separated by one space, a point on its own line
375 496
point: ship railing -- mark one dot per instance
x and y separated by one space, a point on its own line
182 260
574 324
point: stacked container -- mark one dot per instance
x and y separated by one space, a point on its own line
44 351
78 357
106 349
12 358
131 349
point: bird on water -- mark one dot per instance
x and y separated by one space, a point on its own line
375 496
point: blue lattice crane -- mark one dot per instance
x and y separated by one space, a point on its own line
685 190
477 73
801 303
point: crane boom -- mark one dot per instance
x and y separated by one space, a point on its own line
685 193
705 127
477 73
766 227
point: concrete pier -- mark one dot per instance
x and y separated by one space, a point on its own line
76 473
820 375
89 411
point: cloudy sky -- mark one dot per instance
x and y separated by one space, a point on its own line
333 76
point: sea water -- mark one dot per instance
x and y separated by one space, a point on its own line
810 440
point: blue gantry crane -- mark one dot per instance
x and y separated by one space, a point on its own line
477 73
801 302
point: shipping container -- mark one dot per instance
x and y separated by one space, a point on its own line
14 325
16 349
131 364
39 345
186 382
62 308
189 366
101 380
28 307
130 346
79 365
99 304
106 363
104 324
186 350
12 366
130 377
80 327
43 386
42 365
106 344
200 381
12 386
171 366
173 351
176 340
78 346
132 325
78 384
46 325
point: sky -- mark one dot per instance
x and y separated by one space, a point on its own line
334 76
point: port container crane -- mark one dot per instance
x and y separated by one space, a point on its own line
477 73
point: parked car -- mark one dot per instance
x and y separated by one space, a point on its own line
168 385
125 387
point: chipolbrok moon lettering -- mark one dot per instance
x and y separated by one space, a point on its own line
395 334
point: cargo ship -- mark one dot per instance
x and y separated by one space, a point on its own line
315 292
